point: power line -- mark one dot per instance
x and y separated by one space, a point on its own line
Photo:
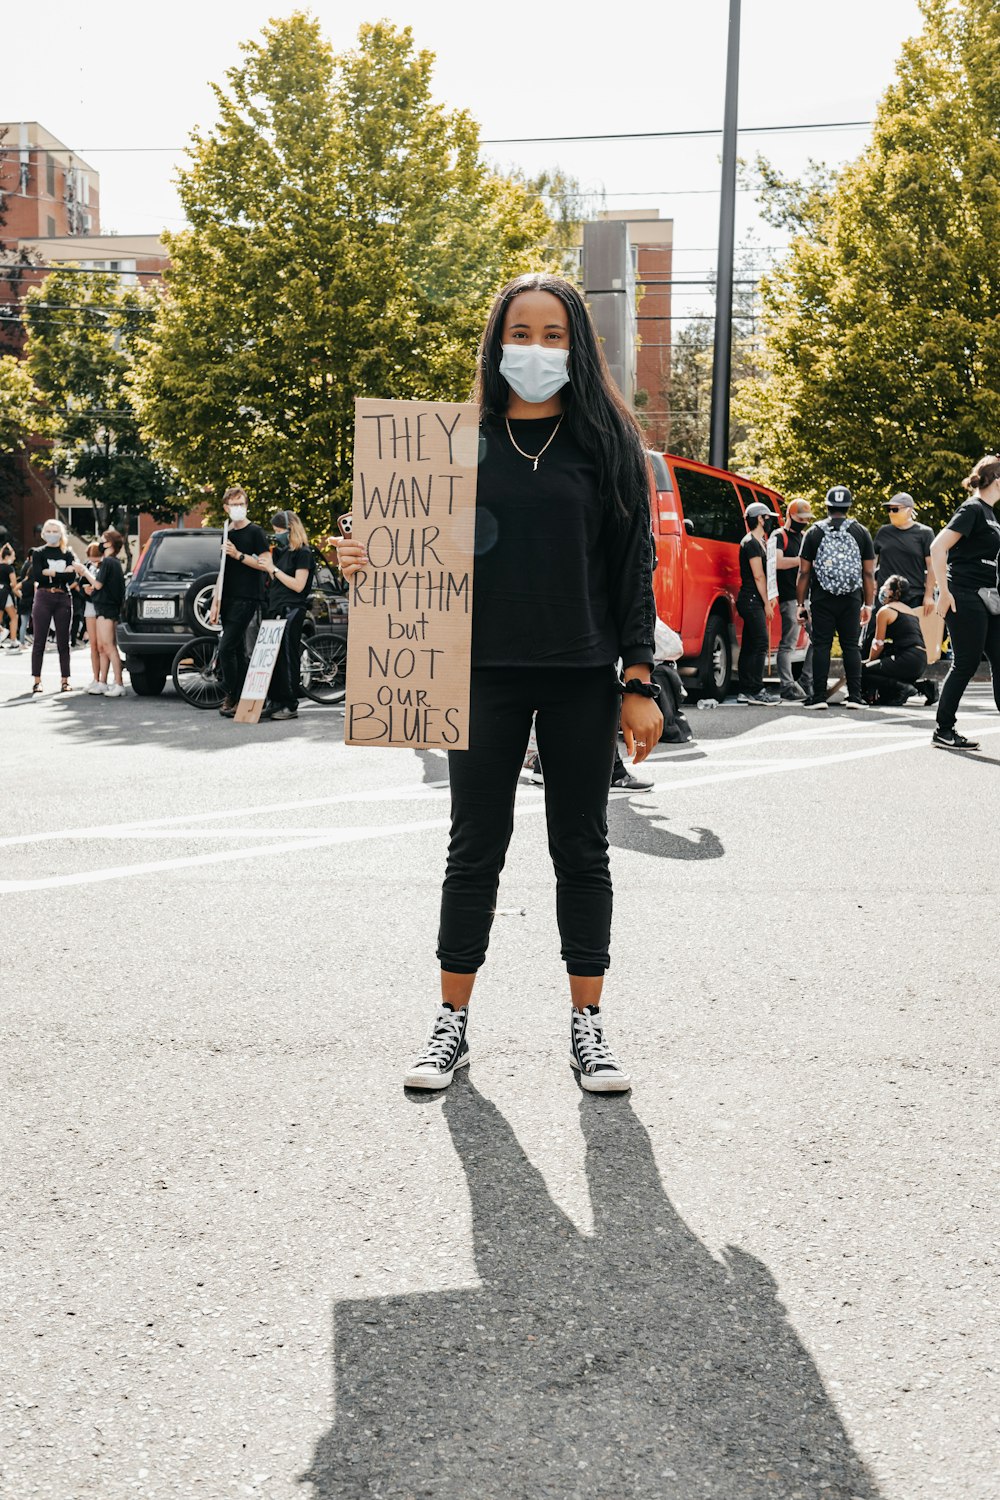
510 140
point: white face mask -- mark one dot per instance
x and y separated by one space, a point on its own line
534 372
51 538
237 512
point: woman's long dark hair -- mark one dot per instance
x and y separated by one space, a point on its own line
596 414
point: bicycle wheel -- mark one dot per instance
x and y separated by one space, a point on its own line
196 673
324 667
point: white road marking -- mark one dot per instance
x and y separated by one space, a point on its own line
227 856
899 739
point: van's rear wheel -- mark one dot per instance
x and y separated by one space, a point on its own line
715 666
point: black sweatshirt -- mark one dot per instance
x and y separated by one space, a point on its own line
559 581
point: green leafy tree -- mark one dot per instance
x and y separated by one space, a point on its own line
83 331
882 367
345 240
17 405
688 397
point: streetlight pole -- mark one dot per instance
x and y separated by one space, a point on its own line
718 452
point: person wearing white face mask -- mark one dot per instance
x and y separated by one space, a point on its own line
52 572
562 591
247 552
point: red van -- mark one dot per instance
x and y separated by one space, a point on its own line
698 522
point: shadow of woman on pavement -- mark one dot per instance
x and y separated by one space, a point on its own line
627 1364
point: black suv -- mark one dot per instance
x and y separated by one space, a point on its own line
169 596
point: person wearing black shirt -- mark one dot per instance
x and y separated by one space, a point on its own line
788 545
52 572
898 657
108 596
242 592
562 590
755 608
903 548
839 576
290 568
9 591
964 557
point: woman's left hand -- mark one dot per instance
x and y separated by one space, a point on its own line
642 725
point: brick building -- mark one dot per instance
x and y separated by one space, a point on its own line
51 204
652 245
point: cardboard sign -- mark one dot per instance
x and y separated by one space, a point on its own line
414 509
260 671
932 629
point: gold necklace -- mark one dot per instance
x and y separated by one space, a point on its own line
534 457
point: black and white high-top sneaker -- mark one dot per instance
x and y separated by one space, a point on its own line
589 1053
446 1050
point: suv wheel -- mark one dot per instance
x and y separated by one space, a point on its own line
716 665
148 679
198 603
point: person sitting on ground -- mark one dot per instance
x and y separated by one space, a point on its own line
755 608
898 658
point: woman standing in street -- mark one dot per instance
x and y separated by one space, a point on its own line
964 557
94 551
52 572
290 569
108 595
562 591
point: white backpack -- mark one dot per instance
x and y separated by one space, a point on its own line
837 564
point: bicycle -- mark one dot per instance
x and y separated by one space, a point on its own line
198 680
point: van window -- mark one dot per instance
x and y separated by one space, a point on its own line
767 500
710 504
661 474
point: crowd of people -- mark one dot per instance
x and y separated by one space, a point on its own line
881 597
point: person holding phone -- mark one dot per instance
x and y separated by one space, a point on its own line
242 592
562 590
52 572
964 557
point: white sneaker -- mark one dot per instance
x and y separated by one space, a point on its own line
97 687
590 1054
446 1050
116 690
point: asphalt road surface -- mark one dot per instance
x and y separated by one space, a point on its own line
237 1260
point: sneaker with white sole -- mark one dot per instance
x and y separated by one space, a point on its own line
626 782
97 687
445 1051
854 703
590 1054
116 690
950 739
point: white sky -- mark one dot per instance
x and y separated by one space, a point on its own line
114 74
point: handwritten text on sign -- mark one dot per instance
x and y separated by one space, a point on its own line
265 654
414 508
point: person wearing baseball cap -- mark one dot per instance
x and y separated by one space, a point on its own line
903 548
754 606
788 545
837 570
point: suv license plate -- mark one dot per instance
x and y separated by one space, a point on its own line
157 609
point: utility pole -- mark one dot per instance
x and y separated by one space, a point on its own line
718 451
